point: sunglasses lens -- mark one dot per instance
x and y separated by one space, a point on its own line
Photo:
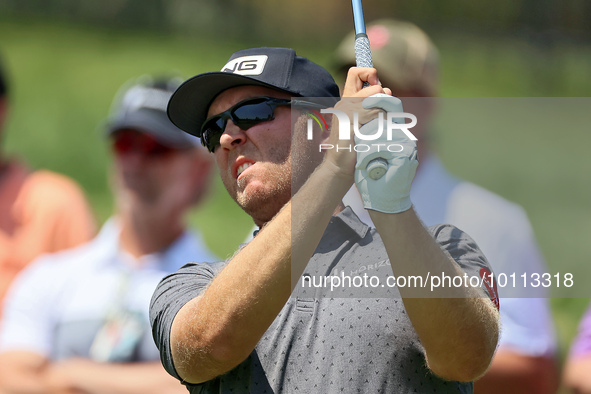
212 130
126 142
249 115
123 144
215 124
153 148
211 139
245 115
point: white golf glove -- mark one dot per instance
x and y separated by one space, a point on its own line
384 184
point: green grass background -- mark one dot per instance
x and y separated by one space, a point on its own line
64 77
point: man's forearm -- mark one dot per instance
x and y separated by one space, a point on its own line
87 376
216 331
576 374
22 372
457 327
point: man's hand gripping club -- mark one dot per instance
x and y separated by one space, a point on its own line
384 168
384 173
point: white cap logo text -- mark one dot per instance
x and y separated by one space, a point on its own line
246 65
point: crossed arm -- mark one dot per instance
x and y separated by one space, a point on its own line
23 372
216 331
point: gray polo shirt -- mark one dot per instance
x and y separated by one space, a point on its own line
349 340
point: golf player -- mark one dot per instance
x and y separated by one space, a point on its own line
253 323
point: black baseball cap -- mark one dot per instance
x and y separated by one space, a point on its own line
141 105
276 68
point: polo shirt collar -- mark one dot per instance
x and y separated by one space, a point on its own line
346 218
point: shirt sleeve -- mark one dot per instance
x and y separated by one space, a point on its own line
53 215
68 214
527 327
462 248
173 292
526 316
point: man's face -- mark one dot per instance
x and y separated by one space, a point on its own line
150 173
256 164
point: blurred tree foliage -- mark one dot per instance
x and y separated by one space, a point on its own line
542 20
548 30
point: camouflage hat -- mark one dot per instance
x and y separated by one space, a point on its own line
402 53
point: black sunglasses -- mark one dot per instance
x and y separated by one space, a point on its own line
245 115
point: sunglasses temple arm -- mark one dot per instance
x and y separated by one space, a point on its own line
308 104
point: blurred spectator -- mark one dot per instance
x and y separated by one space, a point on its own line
40 211
407 63
77 321
577 376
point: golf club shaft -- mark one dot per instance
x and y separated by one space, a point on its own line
362 48
358 18
377 167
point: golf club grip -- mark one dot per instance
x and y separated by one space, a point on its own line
363 52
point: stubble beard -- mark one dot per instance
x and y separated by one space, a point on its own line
263 203
291 170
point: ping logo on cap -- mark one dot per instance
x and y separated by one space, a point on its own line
246 65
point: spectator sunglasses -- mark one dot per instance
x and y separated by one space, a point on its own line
127 141
246 114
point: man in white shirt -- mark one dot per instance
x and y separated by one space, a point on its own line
407 62
77 321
